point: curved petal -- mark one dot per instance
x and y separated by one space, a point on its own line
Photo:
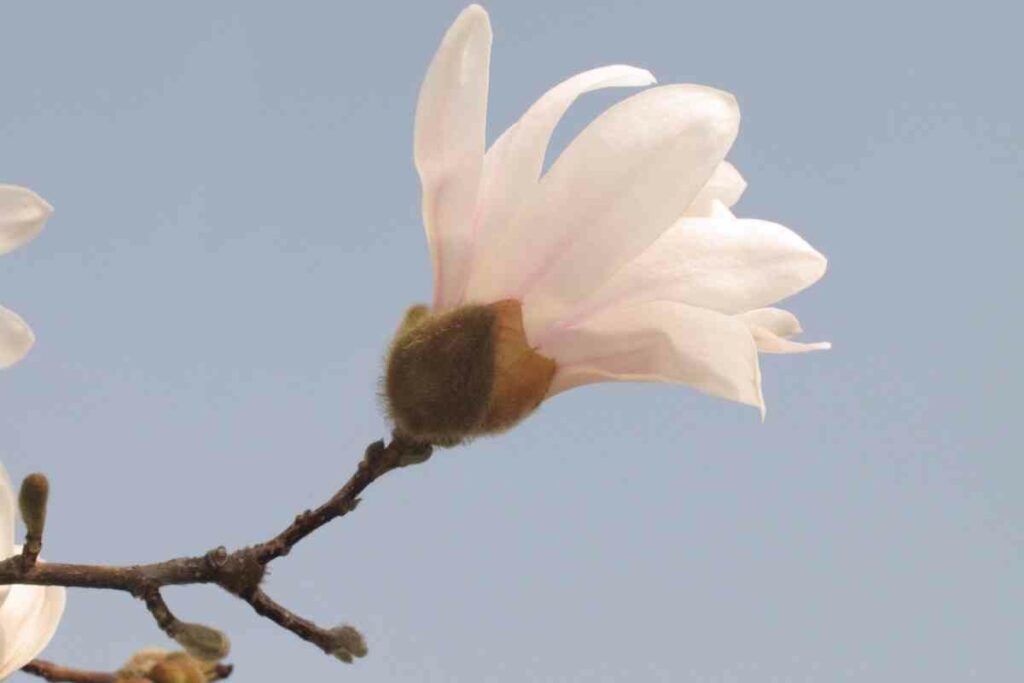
22 215
512 166
28 620
771 328
661 341
726 185
449 144
725 264
16 338
778 321
617 186
8 518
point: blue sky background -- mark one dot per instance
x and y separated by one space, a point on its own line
237 234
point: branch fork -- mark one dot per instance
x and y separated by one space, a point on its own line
239 572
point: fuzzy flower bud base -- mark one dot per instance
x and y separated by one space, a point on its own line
463 373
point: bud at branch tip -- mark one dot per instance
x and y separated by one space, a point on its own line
35 491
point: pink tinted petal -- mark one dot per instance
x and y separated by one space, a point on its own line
771 328
16 338
779 322
728 265
449 145
28 620
22 216
616 187
660 341
769 342
726 185
512 165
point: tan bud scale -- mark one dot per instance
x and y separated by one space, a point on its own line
463 373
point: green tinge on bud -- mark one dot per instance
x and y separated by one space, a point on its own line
203 642
35 491
347 642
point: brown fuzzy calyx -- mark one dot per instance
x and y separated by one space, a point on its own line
463 373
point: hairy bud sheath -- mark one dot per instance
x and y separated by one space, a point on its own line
463 373
35 492
160 666
347 643
203 642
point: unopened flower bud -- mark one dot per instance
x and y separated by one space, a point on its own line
202 642
35 491
463 373
195 670
140 663
168 672
347 642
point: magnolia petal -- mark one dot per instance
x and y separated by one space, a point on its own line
720 210
660 341
771 328
16 338
779 322
22 216
512 166
725 264
726 186
28 619
8 517
769 342
449 144
617 186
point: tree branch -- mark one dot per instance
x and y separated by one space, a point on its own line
61 674
53 672
239 572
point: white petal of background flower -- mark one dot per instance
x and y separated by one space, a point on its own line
28 619
8 518
28 614
22 215
16 338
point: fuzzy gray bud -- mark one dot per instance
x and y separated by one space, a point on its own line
202 642
346 643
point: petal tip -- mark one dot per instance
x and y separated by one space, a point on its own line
16 338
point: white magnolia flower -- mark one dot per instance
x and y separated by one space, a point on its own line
623 259
22 215
28 614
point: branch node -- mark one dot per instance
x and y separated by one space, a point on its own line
241 573
217 557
